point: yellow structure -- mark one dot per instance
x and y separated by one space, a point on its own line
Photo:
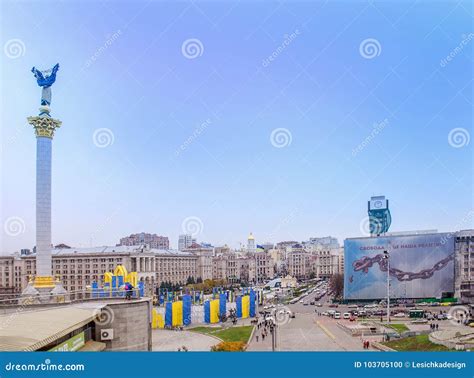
245 306
120 271
44 282
157 320
108 277
214 311
132 278
177 313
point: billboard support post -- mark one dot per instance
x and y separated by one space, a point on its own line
387 256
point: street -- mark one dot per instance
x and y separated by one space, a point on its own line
308 332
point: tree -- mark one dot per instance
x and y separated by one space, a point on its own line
336 284
190 281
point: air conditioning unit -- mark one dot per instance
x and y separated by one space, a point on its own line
106 334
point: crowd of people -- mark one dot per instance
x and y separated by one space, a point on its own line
263 328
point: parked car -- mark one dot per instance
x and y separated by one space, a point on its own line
399 315
346 315
305 303
352 306
334 305
319 304
373 305
311 303
337 315
420 321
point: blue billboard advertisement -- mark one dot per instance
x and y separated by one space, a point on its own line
421 266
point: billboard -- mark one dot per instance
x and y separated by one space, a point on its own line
421 266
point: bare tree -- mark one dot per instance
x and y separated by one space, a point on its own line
336 284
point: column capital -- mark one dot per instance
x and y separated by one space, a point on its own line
44 126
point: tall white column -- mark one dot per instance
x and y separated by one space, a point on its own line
43 206
44 127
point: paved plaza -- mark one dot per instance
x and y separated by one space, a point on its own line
171 341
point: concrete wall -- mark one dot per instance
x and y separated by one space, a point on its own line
131 325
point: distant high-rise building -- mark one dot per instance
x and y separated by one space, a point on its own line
185 241
152 240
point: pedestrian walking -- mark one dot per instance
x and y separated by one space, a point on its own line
437 325
256 337
263 337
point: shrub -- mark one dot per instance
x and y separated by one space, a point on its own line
229 346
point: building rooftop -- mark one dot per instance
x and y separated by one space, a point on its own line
116 249
33 330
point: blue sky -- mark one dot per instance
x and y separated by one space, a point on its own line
190 136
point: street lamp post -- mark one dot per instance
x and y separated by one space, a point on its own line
387 257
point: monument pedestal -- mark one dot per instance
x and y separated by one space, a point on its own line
43 290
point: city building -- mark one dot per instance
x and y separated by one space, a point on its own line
464 266
79 267
152 240
221 250
300 262
264 267
204 267
327 242
185 241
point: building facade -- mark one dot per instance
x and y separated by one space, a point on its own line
464 265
